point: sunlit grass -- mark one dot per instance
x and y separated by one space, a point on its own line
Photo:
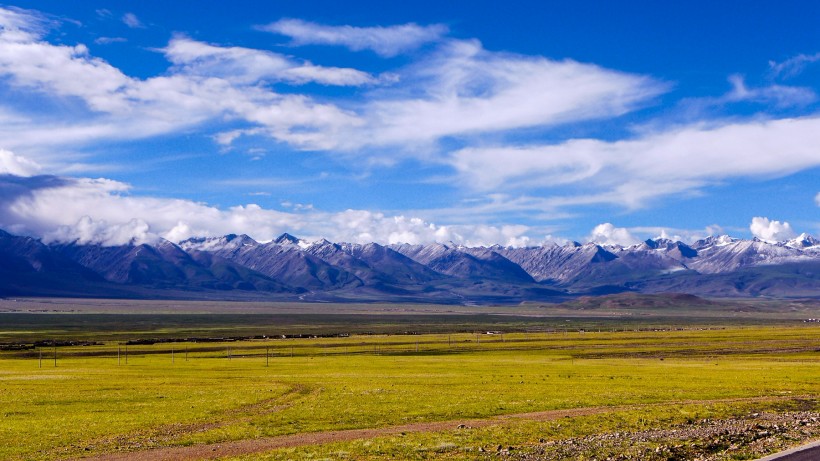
93 402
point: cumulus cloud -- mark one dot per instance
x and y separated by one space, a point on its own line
384 41
608 234
817 199
632 172
770 230
365 226
15 165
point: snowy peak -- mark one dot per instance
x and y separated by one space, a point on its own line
713 241
803 241
287 239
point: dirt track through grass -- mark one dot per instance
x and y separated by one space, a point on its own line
261 445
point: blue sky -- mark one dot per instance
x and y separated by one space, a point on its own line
365 121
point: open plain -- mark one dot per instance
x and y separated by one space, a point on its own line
618 380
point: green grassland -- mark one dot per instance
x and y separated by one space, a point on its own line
95 401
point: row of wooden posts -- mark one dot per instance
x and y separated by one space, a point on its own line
122 353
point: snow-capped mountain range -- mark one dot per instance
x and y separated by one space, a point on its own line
236 266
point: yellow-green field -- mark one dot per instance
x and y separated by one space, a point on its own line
188 394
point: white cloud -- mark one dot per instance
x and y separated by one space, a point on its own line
247 66
131 20
460 90
777 95
817 199
102 211
104 103
17 24
109 40
465 90
771 231
632 172
385 41
61 70
364 226
608 234
16 165
792 66
675 234
87 231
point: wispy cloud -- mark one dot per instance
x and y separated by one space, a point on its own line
460 90
131 20
109 40
792 66
777 95
465 90
245 65
385 41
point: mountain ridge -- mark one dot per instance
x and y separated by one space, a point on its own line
291 268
